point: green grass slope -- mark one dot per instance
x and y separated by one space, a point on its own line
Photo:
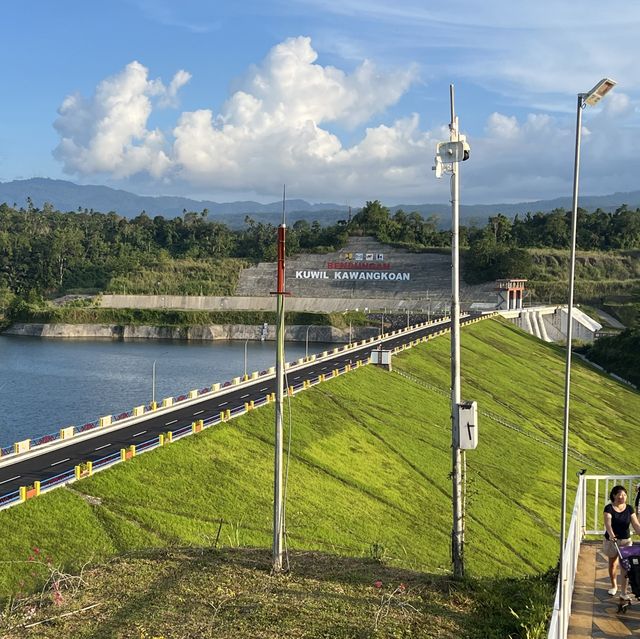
369 470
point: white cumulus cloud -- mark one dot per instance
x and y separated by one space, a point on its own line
108 132
273 128
280 125
532 158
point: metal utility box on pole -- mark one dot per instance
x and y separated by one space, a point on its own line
467 425
448 156
382 358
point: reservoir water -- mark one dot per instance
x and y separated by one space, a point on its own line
46 384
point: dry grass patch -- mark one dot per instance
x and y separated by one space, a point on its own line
198 593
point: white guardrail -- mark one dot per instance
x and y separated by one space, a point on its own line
89 468
140 413
21 450
592 495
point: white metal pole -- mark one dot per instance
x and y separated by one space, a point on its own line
153 382
246 342
457 549
277 491
567 378
278 494
306 343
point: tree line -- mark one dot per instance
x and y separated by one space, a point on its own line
45 250
618 354
499 249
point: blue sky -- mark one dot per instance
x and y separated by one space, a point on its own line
342 100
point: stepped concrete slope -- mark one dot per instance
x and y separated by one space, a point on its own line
549 323
364 275
367 269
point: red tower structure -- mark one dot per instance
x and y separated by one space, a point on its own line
510 294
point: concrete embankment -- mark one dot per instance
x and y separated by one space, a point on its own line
265 303
189 333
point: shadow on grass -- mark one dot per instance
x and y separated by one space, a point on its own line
231 593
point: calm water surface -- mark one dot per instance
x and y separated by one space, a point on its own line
49 383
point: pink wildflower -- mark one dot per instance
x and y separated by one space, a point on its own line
377 583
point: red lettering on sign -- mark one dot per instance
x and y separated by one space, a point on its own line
360 266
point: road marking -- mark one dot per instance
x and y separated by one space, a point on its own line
243 396
264 389
198 412
6 480
61 461
103 446
169 423
298 377
142 432
223 404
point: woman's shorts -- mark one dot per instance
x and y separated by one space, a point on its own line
609 548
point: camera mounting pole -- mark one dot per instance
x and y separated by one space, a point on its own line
448 156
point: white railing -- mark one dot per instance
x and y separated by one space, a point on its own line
592 496
596 497
560 617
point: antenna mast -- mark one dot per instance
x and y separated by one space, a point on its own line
278 501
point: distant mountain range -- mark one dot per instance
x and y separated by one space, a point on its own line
67 196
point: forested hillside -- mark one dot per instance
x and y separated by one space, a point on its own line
46 252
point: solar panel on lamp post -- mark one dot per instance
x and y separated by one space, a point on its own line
592 97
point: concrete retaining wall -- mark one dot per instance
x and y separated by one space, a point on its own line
298 304
429 277
193 333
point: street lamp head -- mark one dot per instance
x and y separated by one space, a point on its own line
598 92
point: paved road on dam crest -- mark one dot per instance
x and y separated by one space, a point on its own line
51 460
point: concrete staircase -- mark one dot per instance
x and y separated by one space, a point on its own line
549 323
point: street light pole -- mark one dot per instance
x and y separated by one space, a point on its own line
153 382
153 378
306 343
246 342
592 97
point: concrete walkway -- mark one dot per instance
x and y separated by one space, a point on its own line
594 614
